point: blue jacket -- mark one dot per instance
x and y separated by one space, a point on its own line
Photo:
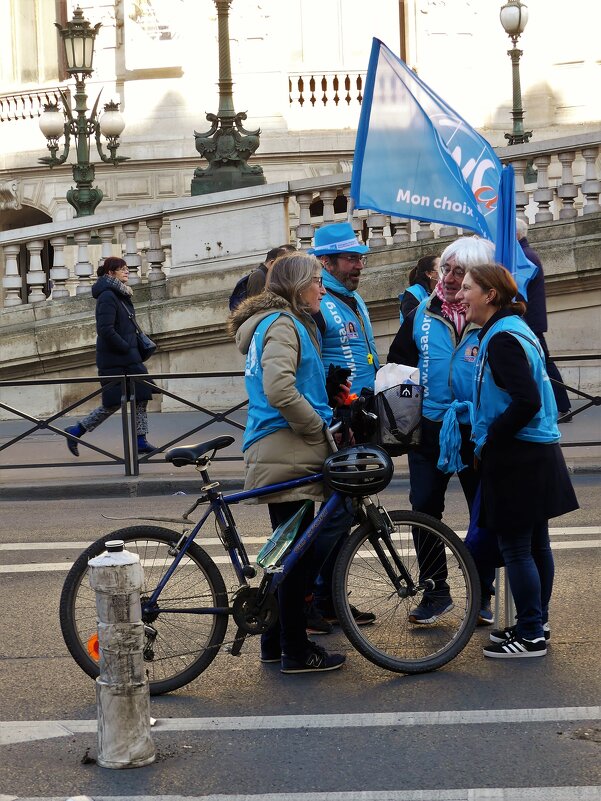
446 365
263 419
348 338
418 291
490 401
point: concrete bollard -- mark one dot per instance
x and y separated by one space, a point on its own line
122 694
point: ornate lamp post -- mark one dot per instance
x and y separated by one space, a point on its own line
227 145
514 16
78 42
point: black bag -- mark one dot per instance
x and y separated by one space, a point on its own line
146 346
399 411
240 292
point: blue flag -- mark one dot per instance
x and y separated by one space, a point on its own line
416 157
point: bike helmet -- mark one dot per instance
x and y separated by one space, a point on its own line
358 470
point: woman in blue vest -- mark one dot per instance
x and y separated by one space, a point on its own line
284 438
437 338
422 281
524 478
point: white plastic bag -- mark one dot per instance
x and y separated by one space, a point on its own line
391 375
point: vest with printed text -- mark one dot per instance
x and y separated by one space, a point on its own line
446 366
348 339
263 419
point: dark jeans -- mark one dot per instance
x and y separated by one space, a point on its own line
327 547
530 570
483 546
291 635
428 486
560 392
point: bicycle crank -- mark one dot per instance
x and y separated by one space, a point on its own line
251 617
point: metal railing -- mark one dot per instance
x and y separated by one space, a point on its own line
131 459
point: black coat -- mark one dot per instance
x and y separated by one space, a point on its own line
116 343
536 308
522 482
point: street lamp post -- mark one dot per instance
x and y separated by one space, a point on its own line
227 145
78 43
514 16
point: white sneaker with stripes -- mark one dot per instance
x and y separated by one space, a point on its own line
516 648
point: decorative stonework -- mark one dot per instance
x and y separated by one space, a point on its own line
8 195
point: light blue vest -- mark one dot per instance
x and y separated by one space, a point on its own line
490 401
446 366
348 340
418 291
310 381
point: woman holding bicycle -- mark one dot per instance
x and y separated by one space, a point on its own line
284 437
524 481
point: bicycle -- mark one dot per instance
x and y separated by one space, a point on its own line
186 608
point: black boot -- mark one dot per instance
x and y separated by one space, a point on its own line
143 445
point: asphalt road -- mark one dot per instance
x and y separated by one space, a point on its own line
245 731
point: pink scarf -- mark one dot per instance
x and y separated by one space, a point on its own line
455 312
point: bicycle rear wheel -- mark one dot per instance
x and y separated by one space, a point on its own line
361 578
177 646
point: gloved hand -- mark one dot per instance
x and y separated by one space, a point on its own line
337 385
363 423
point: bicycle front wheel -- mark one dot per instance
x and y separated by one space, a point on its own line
423 561
178 646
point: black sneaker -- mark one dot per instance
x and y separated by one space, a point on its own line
508 633
315 660
315 621
430 609
360 618
516 648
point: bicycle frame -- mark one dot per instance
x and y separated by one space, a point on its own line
219 506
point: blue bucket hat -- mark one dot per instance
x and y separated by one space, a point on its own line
336 238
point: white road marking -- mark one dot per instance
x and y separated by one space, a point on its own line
591 793
49 567
20 731
206 541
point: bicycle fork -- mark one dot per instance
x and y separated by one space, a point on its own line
381 536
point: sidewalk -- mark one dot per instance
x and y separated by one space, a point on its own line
64 476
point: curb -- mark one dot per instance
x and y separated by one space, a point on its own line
143 487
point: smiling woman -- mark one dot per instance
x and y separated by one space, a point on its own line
524 479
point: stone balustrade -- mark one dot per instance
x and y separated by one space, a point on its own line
224 229
30 104
326 89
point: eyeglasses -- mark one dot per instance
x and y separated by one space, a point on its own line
353 258
457 272
318 279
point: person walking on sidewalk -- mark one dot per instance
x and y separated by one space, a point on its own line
536 318
524 478
284 437
116 353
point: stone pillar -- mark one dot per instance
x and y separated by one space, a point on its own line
543 195
328 196
521 196
306 229
591 186
106 236
83 266
36 277
12 278
401 230
567 191
131 255
59 273
376 223
424 231
155 254
122 693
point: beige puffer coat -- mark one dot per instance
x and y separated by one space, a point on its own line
301 448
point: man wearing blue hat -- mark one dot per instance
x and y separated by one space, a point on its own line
347 342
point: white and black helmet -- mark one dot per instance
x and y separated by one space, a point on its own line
358 470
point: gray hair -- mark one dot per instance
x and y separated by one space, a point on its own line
468 251
292 274
521 228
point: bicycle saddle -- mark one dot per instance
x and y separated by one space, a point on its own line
192 454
